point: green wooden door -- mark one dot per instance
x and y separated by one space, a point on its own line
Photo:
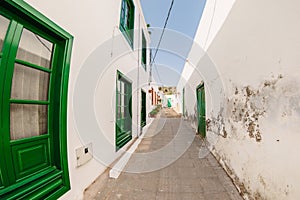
183 102
143 109
201 110
169 102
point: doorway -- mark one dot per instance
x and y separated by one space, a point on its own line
201 110
143 110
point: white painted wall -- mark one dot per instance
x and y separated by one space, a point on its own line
92 23
213 17
254 119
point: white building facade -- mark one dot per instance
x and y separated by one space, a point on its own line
74 92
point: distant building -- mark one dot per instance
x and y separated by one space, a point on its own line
167 90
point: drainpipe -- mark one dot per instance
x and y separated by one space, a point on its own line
138 82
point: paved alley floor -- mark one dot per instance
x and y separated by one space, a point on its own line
166 166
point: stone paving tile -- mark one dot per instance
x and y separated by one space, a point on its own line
168 184
201 162
217 196
184 163
187 177
169 172
191 186
212 185
132 195
213 162
178 196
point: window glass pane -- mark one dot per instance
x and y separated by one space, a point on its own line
126 15
119 99
28 120
126 100
34 49
125 88
122 112
4 23
144 50
122 100
119 112
29 83
123 12
122 87
118 86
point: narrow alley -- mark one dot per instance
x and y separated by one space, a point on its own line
187 177
140 99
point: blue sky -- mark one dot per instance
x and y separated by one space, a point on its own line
184 18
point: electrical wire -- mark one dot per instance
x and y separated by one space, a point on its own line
163 31
155 66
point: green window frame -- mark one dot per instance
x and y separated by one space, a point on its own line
127 20
144 51
123 110
33 166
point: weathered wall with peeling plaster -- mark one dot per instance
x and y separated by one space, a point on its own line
253 123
